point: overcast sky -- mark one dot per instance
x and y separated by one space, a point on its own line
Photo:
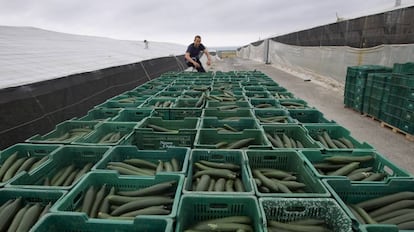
219 22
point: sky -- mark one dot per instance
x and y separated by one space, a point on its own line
219 22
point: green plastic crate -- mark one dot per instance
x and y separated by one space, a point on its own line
309 116
168 94
219 156
406 80
29 197
378 228
296 132
121 153
64 156
293 209
70 222
61 129
27 150
287 103
177 88
208 138
286 160
151 103
133 115
379 164
255 102
101 114
147 138
239 104
258 94
125 129
403 68
189 103
267 113
344 192
335 131
227 114
254 88
196 208
240 125
70 201
115 104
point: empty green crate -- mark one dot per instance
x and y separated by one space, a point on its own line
379 164
289 161
335 132
22 150
265 103
28 197
210 138
100 114
273 116
219 156
344 192
183 134
240 125
403 68
289 210
309 116
133 115
99 136
121 153
64 133
406 80
235 114
71 201
70 222
197 208
79 156
293 132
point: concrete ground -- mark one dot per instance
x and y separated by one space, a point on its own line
328 99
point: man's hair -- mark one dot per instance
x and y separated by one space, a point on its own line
197 36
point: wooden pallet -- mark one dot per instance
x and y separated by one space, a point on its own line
371 117
398 131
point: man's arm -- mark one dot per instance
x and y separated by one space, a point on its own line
189 59
208 56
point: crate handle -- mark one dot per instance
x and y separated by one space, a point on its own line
295 209
216 206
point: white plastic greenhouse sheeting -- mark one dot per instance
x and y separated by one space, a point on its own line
328 61
29 55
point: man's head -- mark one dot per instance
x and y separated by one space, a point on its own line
197 40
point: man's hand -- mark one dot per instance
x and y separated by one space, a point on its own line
196 65
208 62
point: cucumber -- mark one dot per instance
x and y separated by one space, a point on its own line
13 168
229 185
340 159
141 163
328 140
220 185
238 185
104 208
88 200
8 213
151 210
217 173
151 190
241 143
97 202
345 170
392 207
18 218
204 183
140 204
374 203
30 217
230 166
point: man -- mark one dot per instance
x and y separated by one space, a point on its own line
192 55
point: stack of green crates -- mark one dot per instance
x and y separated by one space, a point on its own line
356 78
377 92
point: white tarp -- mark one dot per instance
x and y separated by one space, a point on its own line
328 61
29 55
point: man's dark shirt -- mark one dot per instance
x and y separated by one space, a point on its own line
195 52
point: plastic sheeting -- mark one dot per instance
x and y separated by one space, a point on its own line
328 61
